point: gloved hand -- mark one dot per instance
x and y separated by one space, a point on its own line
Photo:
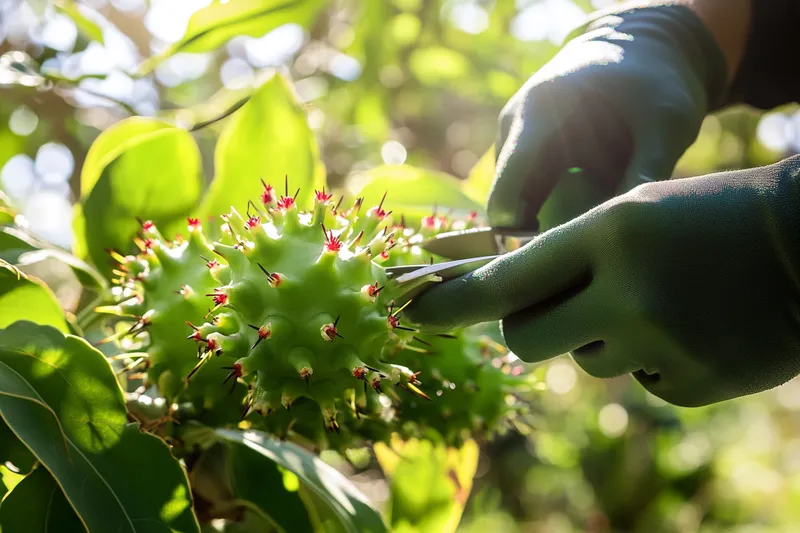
692 285
621 102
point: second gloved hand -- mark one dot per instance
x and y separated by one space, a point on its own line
692 285
621 102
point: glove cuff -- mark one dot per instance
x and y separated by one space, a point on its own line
767 76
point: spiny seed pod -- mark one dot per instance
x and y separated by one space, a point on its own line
164 288
301 307
293 310
473 384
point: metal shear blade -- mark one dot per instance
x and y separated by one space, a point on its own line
476 242
469 250
414 279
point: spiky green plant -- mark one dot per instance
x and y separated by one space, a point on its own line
296 313
164 288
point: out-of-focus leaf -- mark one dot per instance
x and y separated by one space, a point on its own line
429 483
437 64
59 395
212 26
26 298
21 249
479 182
269 138
86 26
412 192
143 168
37 505
353 511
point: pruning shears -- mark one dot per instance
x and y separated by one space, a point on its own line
467 250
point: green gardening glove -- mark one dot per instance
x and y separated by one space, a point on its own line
692 285
616 106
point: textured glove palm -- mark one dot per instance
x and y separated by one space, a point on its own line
621 102
693 285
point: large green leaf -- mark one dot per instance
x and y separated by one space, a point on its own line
269 138
113 142
60 397
37 505
26 298
345 501
429 483
212 26
412 192
229 475
21 249
143 168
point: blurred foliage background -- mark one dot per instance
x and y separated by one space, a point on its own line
420 82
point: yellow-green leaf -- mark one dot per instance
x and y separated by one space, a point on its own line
412 192
26 298
429 483
140 168
90 29
269 138
480 179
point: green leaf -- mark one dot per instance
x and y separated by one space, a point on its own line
37 505
113 142
480 179
353 511
85 25
143 168
26 298
21 249
429 483
269 138
412 192
250 475
230 475
60 397
8 480
212 26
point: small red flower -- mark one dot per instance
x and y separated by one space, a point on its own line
147 225
194 223
323 196
359 372
264 332
393 321
253 222
430 222
212 345
267 195
285 202
219 297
